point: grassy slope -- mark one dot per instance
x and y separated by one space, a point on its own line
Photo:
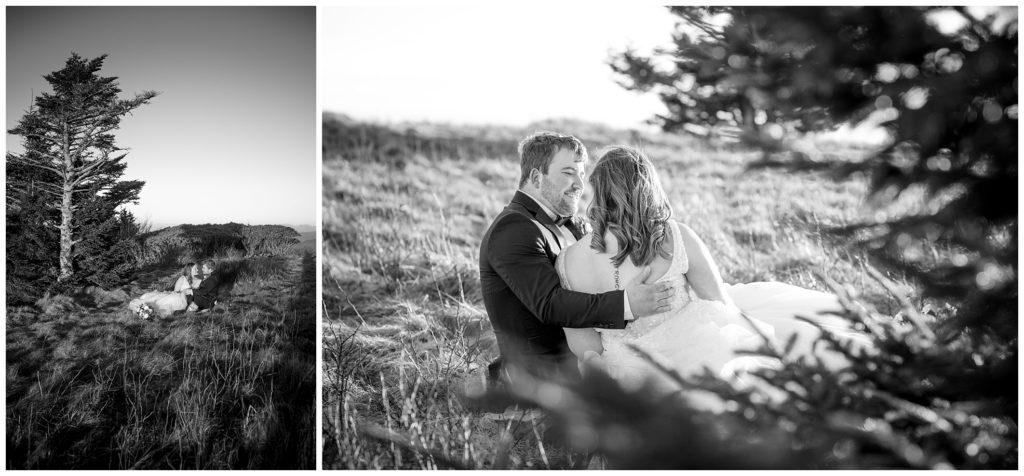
400 272
96 387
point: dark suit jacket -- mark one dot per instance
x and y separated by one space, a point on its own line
525 301
206 293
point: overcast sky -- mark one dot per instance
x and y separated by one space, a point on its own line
498 63
232 135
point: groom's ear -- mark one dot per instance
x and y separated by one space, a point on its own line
535 178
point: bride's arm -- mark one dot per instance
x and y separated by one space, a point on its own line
582 340
703 274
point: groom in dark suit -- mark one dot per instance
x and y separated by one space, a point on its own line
205 296
524 299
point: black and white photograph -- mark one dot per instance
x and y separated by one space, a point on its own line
161 252
615 236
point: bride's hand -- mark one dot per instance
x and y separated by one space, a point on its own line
591 360
648 299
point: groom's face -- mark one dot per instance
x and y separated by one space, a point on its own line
562 187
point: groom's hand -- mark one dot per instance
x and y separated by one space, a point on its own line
648 299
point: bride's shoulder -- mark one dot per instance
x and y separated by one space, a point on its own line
581 248
578 255
684 229
575 264
691 240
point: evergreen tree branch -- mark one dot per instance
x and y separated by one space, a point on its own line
36 164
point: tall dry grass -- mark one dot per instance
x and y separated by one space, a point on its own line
96 387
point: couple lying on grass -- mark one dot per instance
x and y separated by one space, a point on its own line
195 290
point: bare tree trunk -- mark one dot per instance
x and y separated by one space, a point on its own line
66 268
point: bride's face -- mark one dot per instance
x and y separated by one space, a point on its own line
194 272
562 187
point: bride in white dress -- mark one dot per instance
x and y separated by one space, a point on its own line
165 303
633 230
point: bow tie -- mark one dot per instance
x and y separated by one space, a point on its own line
562 221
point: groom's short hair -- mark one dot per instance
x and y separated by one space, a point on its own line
210 264
536 151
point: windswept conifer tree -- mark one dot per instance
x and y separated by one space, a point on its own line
69 175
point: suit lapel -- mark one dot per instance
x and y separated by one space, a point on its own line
545 220
541 217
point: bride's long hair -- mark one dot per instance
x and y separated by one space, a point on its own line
187 273
630 203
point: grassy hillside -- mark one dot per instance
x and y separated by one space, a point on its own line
92 386
405 331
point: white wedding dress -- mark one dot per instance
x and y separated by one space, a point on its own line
165 303
697 334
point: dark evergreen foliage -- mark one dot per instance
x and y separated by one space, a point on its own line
31 248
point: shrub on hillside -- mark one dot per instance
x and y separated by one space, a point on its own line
351 140
269 240
193 243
